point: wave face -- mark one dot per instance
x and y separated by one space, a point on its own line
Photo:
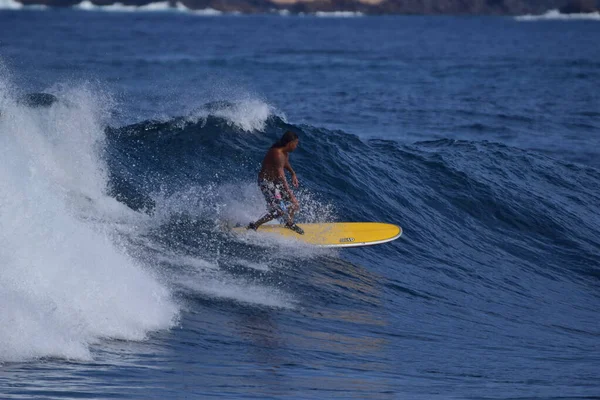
211 162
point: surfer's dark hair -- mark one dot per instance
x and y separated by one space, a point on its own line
287 137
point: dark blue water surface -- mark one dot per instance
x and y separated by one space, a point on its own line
479 136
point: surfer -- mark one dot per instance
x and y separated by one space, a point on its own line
274 186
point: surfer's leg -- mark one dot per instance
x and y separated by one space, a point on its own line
289 215
270 192
264 219
290 210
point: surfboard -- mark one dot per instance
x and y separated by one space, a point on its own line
335 234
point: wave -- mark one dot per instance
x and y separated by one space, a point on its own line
556 15
517 199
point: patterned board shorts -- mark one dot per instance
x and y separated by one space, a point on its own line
276 196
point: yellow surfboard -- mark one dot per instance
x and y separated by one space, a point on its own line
336 234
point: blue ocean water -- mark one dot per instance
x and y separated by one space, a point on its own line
479 136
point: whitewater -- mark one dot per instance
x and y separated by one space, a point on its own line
66 282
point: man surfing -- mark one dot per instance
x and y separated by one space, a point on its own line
274 186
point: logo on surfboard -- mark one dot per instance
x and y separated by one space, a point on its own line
347 240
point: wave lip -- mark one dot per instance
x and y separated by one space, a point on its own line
556 15
247 114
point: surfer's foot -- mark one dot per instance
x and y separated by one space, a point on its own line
295 228
252 226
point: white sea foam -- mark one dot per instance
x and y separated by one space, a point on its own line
338 14
15 5
162 6
119 7
238 290
199 276
10 5
208 12
186 261
165 6
65 280
252 265
558 16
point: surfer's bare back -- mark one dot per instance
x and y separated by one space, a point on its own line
274 186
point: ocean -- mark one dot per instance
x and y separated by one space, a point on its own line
129 139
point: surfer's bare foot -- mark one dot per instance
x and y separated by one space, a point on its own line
295 228
252 226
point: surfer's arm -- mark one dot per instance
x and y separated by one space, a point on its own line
281 164
289 168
